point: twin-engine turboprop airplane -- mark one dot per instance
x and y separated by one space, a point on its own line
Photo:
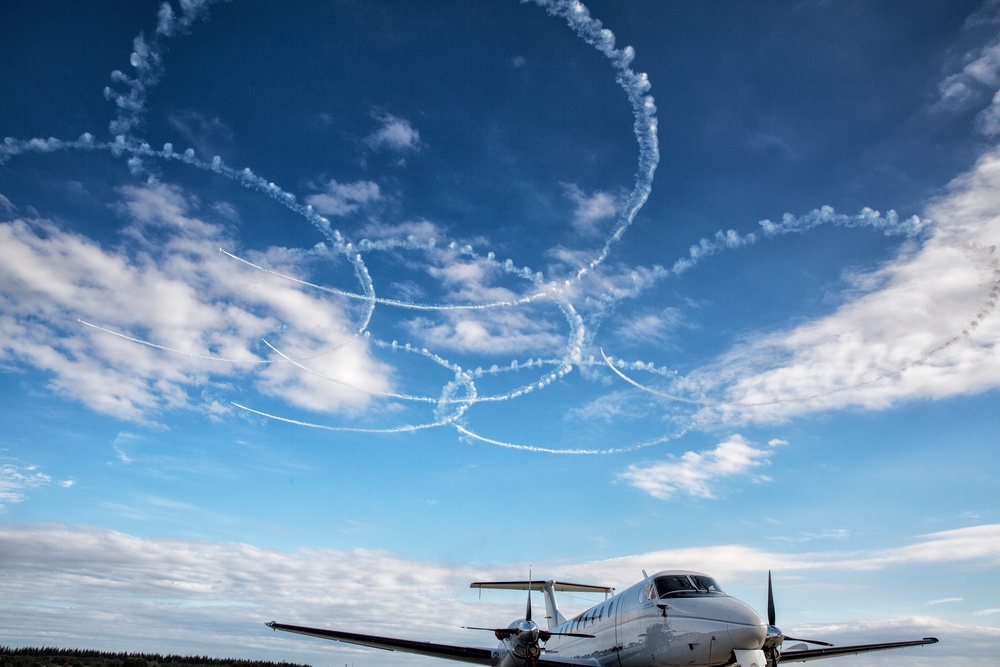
669 619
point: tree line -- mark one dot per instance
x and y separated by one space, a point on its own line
63 657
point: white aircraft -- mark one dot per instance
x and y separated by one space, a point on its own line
669 619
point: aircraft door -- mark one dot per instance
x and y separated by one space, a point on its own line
629 608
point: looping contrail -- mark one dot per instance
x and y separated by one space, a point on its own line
459 394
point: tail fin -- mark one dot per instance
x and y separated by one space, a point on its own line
549 588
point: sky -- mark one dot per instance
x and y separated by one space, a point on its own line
318 312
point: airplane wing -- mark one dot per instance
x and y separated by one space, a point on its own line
833 651
480 656
477 655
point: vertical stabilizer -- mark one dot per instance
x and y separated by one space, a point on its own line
552 614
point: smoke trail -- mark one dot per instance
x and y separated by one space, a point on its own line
130 94
889 225
12 147
591 452
147 62
171 350
636 85
341 429
614 367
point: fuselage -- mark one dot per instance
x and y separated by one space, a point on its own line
670 619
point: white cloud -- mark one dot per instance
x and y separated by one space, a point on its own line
611 408
394 134
17 478
977 542
169 285
922 326
650 327
340 199
697 473
987 15
931 603
981 68
988 120
470 276
802 538
494 331
591 209
6 206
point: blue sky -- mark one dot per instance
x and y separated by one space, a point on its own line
318 313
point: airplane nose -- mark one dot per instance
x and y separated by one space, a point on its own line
747 630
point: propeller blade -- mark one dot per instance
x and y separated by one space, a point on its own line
503 631
808 641
527 612
771 617
770 600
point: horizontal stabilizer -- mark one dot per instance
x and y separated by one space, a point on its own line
540 586
548 587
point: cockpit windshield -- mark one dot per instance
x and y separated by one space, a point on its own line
685 585
706 584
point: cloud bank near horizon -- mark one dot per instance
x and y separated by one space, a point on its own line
194 594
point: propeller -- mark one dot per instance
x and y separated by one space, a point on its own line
774 636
